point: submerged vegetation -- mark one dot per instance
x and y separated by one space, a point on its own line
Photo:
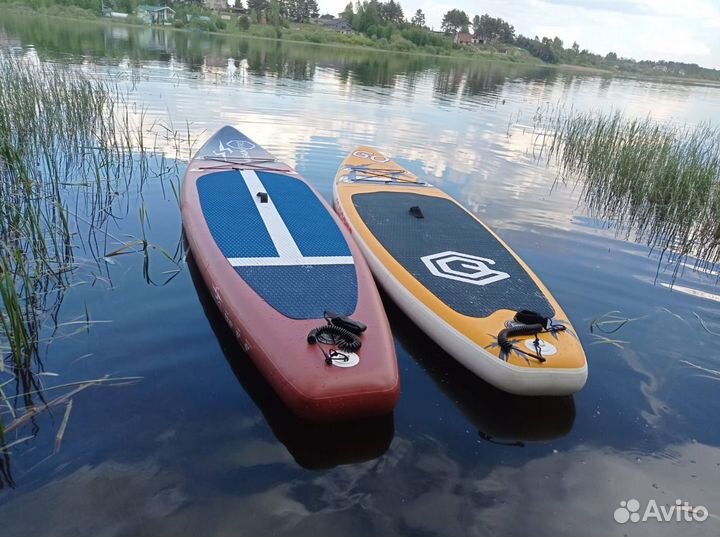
70 148
655 181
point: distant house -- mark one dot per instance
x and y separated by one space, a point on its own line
155 14
216 5
236 10
464 38
336 25
107 12
118 15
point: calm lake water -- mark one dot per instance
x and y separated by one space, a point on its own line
201 446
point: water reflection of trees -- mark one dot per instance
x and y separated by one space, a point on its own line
279 61
485 79
207 54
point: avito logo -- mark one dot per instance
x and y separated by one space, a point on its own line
463 268
629 511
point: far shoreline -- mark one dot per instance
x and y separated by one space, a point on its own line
489 57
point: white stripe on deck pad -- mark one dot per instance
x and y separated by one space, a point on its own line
279 233
289 261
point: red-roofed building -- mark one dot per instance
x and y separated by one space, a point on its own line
464 38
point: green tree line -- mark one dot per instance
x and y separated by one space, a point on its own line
384 19
276 12
383 23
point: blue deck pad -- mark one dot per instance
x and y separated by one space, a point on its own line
232 217
298 287
310 224
305 291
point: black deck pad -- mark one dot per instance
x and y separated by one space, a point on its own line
451 254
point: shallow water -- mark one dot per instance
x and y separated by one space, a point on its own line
201 446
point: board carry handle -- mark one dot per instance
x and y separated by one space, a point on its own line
416 212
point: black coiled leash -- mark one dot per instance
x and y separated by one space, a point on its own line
340 331
532 324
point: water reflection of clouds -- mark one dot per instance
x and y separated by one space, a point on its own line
418 487
466 147
654 377
692 292
284 114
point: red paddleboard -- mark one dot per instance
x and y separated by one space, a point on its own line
278 264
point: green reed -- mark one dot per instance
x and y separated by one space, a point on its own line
657 182
71 146
49 119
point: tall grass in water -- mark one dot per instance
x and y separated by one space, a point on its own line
657 182
70 146
51 120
